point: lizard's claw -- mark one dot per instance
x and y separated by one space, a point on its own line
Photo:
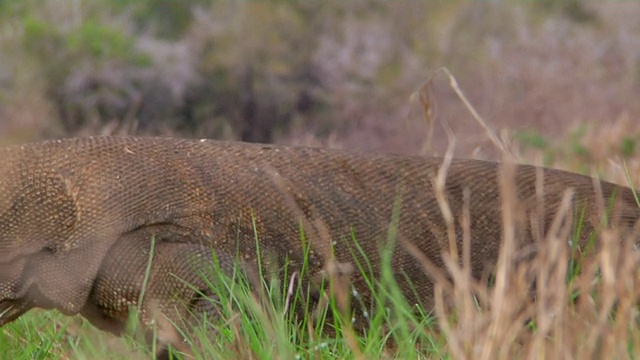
11 310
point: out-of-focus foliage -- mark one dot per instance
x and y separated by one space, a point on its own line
167 19
311 72
93 70
260 76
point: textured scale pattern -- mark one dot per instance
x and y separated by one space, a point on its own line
77 217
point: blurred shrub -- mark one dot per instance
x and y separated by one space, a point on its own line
91 71
254 68
167 19
238 71
316 72
574 10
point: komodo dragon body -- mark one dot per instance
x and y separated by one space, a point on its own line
77 217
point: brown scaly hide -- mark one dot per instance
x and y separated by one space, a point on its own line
77 217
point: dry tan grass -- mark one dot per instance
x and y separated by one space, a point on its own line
513 320
544 306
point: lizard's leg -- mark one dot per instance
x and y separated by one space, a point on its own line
163 276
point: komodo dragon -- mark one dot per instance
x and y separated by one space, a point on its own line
77 217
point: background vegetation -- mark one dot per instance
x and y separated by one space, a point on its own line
562 76
558 81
